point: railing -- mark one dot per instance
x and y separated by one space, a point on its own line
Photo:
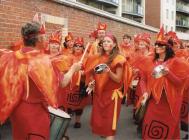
133 9
114 2
182 23
182 8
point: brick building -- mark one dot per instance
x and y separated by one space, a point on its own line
69 15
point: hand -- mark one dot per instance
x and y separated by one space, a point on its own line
107 69
165 71
76 66
90 87
145 97
135 72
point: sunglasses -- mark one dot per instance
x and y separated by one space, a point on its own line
160 45
78 46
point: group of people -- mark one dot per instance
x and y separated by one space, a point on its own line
38 74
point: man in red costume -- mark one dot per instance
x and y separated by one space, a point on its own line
28 85
98 34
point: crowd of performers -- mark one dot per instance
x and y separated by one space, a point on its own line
36 74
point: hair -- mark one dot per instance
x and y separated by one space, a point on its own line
65 45
29 33
76 45
113 53
169 53
127 36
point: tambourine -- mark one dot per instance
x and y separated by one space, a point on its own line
100 68
158 71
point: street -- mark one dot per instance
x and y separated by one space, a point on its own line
126 128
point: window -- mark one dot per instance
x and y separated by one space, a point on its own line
167 14
166 28
172 15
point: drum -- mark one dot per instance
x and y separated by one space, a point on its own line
59 123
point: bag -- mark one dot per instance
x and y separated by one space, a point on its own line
140 112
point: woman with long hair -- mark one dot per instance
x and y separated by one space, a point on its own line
107 96
165 84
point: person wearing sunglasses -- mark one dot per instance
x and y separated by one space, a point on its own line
165 77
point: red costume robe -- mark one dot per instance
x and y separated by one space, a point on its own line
184 54
162 117
69 97
26 90
107 97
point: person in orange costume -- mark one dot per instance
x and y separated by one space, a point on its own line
68 44
75 100
183 54
107 96
55 44
126 47
98 34
24 96
142 48
164 94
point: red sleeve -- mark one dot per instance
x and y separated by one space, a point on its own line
142 81
173 78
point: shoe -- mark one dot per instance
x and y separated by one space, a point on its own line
77 125
186 137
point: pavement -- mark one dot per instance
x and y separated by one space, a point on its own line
126 129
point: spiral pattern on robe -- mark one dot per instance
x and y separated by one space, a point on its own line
73 99
158 130
184 109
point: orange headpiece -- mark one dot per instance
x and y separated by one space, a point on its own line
55 37
137 37
102 26
145 37
172 35
37 18
94 34
42 29
79 41
69 37
161 38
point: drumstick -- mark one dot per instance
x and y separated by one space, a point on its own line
87 46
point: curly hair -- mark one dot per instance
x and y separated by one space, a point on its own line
29 33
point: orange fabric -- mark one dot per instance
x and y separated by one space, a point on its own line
126 50
93 48
17 45
182 53
106 98
156 86
14 71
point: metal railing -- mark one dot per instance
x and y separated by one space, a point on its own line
182 23
115 2
133 9
183 8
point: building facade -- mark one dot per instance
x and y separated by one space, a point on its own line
69 15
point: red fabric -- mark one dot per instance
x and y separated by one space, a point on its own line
158 122
31 118
155 86
185 104
15 69
69 97
103 105
161 120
